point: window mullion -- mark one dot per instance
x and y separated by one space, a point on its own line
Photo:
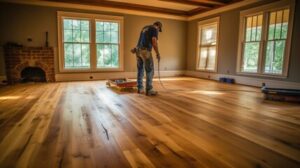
264 37
93 48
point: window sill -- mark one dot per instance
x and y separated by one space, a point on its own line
253 74
91 70
207 71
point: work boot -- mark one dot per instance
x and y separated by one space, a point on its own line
151 92
140 91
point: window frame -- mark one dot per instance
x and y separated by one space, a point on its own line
61 15
265 10
201 24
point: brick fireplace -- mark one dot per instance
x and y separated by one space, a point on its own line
19 58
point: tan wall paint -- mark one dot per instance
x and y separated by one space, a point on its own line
18 22
228 43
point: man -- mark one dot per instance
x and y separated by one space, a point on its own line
147 41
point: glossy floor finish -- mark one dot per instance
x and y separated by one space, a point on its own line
196 123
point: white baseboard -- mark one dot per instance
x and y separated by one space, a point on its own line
109 75
251 81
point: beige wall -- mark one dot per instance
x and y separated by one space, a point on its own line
228 42
18 22
171 41
177 42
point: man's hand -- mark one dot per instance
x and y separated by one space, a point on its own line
133 51
158 57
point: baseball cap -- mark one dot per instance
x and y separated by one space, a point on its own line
159 24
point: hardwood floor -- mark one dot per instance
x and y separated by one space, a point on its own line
196 123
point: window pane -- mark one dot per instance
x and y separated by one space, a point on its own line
106 26
278 28
115 56
77 55
68 36
99 26
68 53
76 43
203 57
272 26
279 56
85 36
85 25
114 37
100 37
67 24
285 24
259 28
76 36
107 56
85 55
115 27
250 59
211 58
254 26
76 30
208 43
269 56
76 24
209 34
274 57
248 28
100 55
278 24
107 39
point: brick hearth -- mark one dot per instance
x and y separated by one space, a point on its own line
18 58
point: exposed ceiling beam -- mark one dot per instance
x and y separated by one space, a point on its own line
195 3
201 10
196 11
213 2
124 5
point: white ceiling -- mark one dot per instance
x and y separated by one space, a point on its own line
161 4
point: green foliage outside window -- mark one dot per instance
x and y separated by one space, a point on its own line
107 39
276 48
274 56
76 43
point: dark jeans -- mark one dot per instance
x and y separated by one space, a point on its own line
144 61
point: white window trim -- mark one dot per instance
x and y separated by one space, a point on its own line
283 4
93 53
200 25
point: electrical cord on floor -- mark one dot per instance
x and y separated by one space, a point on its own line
158 71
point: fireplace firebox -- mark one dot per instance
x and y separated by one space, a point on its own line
33 74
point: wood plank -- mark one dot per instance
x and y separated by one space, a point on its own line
195 123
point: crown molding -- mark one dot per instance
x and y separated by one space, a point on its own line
223 9
96 8
134 12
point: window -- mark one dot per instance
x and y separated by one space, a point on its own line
107 39
264 42
252 43
89 42
76 43
276 43
207 45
